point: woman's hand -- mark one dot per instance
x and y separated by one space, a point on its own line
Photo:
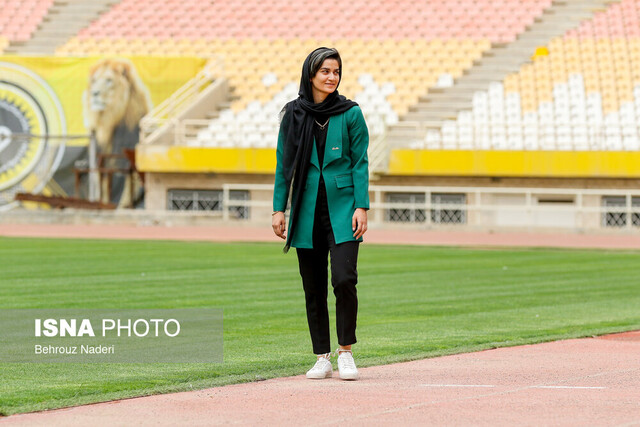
278 223
359 222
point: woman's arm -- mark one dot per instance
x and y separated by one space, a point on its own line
358 145
280 189
278 223
359 222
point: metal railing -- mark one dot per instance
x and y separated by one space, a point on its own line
585 207
566 201
167 112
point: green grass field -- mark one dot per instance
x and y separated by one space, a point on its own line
415 302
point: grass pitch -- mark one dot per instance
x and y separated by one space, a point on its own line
414 302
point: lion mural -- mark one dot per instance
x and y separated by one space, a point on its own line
114 102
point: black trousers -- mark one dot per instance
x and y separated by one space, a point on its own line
344 277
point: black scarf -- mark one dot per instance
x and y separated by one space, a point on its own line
297 123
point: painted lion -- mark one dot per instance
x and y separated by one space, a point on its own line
114 102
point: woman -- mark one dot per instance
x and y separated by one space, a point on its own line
322 149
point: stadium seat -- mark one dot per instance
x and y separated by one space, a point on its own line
19 20
439 44
585 93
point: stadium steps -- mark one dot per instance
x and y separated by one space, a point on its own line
64 20
215 113
441 104
227 95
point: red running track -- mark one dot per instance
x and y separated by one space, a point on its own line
265 234
580 382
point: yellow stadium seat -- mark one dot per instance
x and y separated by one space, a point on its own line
572 54
73 42
511 87
485 44
88 42
591 86
556 43
573 66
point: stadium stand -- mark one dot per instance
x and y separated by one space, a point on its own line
65 19
19 19
580 92
499 20
393 53
473 105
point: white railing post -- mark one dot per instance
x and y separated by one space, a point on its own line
529 206
379 212
427 207
479 216
579 214
225 202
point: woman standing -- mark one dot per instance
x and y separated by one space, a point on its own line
322 149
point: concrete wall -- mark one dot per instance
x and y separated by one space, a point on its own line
556 211
158 184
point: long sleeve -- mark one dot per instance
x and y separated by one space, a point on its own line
281 186
359 143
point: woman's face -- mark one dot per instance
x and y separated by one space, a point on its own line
327 78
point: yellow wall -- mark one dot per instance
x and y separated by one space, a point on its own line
590 164
593 164
196 159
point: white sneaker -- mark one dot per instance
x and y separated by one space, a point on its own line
322 368
346 365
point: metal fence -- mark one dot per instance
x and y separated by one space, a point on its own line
422 206
210 200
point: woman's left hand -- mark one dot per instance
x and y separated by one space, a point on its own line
359 222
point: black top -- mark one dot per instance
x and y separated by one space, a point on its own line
321 136
322 223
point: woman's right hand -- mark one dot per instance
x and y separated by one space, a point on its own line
278 223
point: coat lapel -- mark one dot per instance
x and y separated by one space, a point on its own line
333 147
314 155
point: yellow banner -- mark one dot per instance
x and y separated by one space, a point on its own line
70 78
44 99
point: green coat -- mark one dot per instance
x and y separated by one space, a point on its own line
346 176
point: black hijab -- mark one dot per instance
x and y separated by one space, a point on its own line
297 125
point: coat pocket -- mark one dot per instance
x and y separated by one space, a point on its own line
344 181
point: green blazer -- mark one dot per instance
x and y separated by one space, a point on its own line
345 170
